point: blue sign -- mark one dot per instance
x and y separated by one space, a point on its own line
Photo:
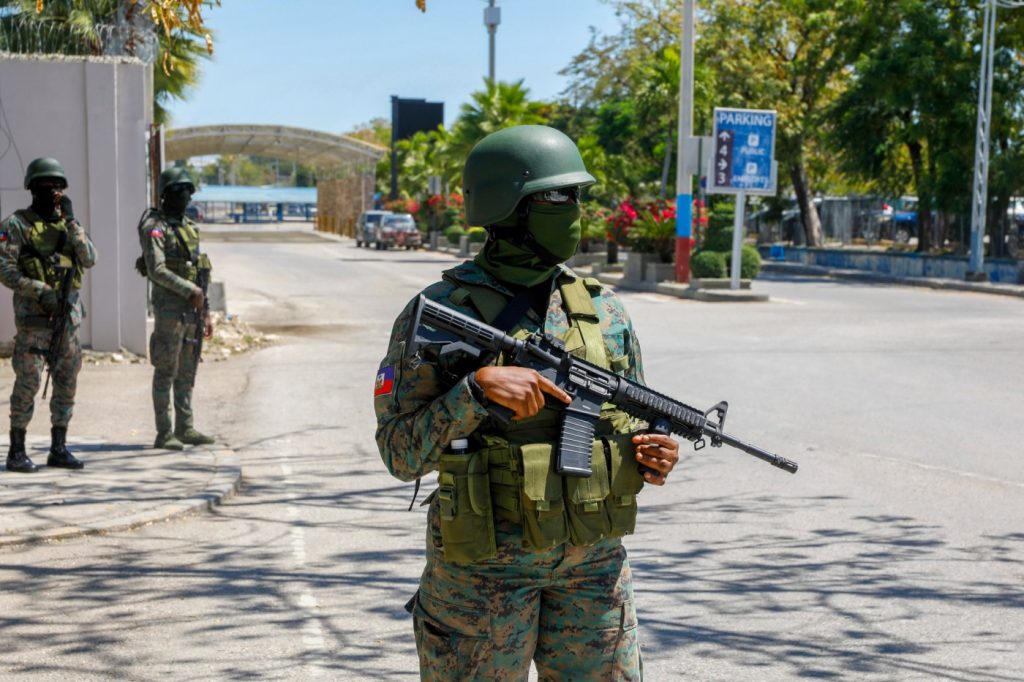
744 143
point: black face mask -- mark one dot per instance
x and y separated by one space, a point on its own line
175 200
44 202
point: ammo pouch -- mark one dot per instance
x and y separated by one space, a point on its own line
553 509
464 502
185 269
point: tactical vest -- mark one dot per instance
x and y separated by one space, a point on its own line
512 475
181 251
47 251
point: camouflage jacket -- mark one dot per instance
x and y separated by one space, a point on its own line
13 235
170 291
425 402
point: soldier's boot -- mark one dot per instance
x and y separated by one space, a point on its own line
190 436
60 457
17 458
168 441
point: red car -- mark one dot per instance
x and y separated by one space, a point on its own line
407 235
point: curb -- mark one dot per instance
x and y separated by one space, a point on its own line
226 480
684 291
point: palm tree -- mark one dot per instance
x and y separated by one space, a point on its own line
498 106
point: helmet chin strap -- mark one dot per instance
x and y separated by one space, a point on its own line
520 236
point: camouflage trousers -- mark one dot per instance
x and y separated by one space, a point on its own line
568 609
28 368
174 369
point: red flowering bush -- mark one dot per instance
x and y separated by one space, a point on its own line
621 221
444 209
654 230
403 205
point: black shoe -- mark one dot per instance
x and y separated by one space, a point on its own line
59 456
17 459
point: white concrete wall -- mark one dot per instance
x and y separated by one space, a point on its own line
91 114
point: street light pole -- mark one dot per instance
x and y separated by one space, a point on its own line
979 199
492 17
684 181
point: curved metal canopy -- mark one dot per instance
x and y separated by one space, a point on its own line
280 142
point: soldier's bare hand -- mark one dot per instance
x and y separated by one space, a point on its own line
196 298
657 452
207 327
519 389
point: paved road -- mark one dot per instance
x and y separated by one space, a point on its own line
895 553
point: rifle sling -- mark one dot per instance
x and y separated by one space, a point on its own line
530 297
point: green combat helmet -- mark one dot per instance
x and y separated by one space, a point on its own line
44 167
515 162
174 175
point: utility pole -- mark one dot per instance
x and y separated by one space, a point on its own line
492 17
684 181
979 199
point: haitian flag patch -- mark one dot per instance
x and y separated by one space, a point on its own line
156 232
3 235
385 381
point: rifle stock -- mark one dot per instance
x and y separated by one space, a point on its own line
589 385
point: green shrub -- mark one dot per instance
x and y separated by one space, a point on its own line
718 240
718 236
477 235
708 264
453 234
750 262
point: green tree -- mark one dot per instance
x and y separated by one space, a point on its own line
499 105
791 56
914 97
97 27
624 89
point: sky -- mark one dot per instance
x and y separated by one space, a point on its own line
332 65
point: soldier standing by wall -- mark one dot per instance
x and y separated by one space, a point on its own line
38 247
522 563
173 263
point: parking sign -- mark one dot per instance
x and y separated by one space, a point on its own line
744 142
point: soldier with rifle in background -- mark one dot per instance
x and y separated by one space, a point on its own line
180 274
43 253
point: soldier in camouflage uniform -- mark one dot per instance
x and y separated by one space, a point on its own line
521 564
37 247
172 261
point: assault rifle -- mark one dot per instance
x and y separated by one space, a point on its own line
203 281
60 320
589 386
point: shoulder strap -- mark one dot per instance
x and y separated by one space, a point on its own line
181 240
497 309
487 302
579 307
577 298
514 311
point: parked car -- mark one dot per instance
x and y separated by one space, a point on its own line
903 224
407 235
366 227
386 232
195 213
1015 233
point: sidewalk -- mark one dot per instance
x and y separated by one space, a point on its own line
800 270
121 487
126 483
616 279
